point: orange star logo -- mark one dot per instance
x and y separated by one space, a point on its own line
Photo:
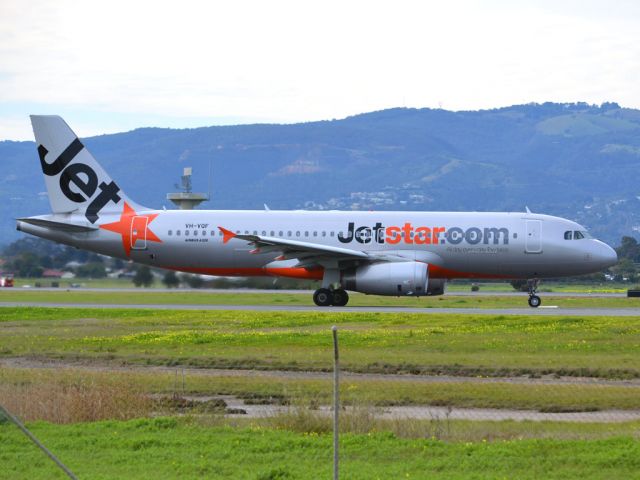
132 227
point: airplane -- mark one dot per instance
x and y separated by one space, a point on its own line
380 253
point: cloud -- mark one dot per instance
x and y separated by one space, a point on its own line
294 61
15 128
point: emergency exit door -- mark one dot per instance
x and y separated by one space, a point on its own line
139 233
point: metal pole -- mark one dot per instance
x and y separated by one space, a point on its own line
336 401
19 424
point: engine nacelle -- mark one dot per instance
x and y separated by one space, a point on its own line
436 286
390 278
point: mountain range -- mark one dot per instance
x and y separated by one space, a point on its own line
574 160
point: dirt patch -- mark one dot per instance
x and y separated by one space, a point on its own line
106 366
239 406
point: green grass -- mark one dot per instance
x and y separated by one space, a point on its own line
84 282
470 345
486 345
178 297
172 448
298 445
545 286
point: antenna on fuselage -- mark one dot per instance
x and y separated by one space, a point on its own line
527 209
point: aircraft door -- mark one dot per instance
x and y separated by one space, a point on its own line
139 233
533 243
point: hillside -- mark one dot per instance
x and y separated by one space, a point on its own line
572 160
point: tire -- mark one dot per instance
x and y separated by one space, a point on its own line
323 297
534 301
340 298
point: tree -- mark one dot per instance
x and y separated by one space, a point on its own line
629 248
91 270
194 281
143 277
27 264
171 280
520 285
624 269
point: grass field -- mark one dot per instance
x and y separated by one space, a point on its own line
378 343
545 286
177 297
303 391
183 448
371 342
108 363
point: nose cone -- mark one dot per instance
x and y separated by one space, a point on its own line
605 256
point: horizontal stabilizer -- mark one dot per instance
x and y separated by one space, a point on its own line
61 226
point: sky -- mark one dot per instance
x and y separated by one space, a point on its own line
118 65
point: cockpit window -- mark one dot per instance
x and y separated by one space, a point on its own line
576 235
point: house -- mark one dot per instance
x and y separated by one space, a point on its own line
52 273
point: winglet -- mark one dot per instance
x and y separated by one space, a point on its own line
226 234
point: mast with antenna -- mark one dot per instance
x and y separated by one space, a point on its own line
187 199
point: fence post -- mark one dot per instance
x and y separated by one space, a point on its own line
336 401
24 430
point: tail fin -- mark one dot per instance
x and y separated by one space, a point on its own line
75 181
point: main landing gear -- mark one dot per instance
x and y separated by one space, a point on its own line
534 300
323 297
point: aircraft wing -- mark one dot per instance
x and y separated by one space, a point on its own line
307 253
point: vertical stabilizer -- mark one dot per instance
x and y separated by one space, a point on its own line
75 181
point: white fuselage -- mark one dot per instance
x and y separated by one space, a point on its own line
454 244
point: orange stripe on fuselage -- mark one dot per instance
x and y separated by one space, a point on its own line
304 274
301 273
440 272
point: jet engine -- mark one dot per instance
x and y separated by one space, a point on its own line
392 278
436 286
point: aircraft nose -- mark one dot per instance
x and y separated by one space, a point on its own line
605 256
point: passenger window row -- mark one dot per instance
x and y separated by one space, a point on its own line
195 233
272 233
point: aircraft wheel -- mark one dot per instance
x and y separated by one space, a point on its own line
323 297
534 301
340 298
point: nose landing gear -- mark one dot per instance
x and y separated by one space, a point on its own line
323 297
534 300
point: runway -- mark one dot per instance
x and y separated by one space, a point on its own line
250 291
541 311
